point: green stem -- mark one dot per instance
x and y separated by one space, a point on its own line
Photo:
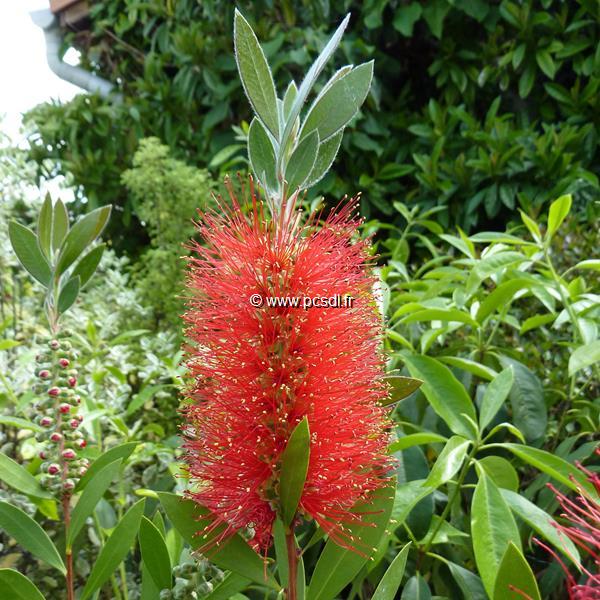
66 506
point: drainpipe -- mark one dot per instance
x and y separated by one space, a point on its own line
75 75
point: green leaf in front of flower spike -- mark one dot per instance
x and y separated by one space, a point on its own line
15 586
325 157
340 102
294 467
261 154
26 247
401 387
60 224
515 577
301 162
255 74
44 227
87 266
68 294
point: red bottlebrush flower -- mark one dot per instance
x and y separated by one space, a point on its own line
582 527
258 371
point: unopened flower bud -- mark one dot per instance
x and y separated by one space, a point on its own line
56 437
54 344
53 391
74 423
68 485
79 418
72 381
53 469
64 408
69 454
46 421
44 374
43 455
82 471
64 362
82 443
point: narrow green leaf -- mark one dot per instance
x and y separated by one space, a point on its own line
559 209
294 466
15 586
83 233
415 439
280 544
448 462
390 582
60 224
469 583
91 496
400 387
541 522
261 154
8 344
115 549
123 451
416 588
492 528
338 105
584 356
500 297
471 366
44 227
441 314
325 157
288 99
19 423
255 74
29 535
532 226
495 394
338 566
546 63
155 554
536 321
445 393
233 554
87 266
500 471
301 162
18 478
514 574
592 264
26 247
68 294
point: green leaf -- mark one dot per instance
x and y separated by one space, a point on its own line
500 297
255 74
471 366
526 81
400 387
434 14
444 392
515 574
301 162
115 549
18 478
406 17
492 528
289 98
338 566
68 294
83 233
19 423
337 106
541 522
495 394
441 314
29 535
325 157
60 224
416 588
8 344
592 264
261 154
536 321
469 583
229 587
233 554
281 556
155 554
92 493
123 451
390 582
44 227
15 586
25 245
584 356
532 226
294 466
500 471
87 266
552 465
527 400
559 209
448 462
415 439
546 63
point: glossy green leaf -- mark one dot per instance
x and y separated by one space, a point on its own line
469 583
532 226
60 224
68 294
44 227
448 462
416 588
494 396
325 157
390 582
541 522
536 321
559 210
441 314
115 549
416 439
501 297
584 356
261 154
83 233
592 264
400 387
29 535
155 554
15 586
98 484
26 247
515 574
338 566
444 392
492 529
301 162
255 74
18 478
294 467
500 471
87 266
122 451
234 554
340 102
471 366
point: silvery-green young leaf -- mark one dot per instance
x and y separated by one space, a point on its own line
325 157
255 74
337 75
60 224
26 247
301 162
288 99
261 154
44 227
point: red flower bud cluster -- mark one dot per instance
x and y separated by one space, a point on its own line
258 371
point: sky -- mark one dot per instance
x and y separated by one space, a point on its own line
25 78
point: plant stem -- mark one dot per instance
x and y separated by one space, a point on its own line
66 506
292 554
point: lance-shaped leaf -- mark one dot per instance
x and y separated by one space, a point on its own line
559 209
44 227
390 582
495 394
448 462
20 479
325 157
15 586
261 154
122 452
515 574
289 99
26 247
294 466
60 224
301 162
255 74
401 387
155 554
87 266
68 294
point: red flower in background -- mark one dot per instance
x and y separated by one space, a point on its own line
258 371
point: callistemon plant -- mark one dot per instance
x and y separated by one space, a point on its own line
286 421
